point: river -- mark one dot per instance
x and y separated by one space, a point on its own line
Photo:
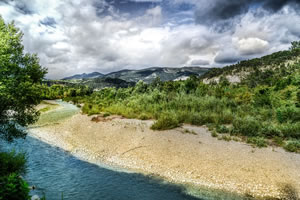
56 173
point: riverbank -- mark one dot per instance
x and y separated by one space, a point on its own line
180 156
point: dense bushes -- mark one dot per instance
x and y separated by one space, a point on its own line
293 146
12 186
12 163
268 109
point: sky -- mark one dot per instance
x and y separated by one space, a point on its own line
83 36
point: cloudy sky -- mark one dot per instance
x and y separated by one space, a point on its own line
76 36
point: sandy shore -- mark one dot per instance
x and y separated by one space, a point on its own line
180 157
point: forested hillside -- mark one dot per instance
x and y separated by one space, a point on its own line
264 109
258 70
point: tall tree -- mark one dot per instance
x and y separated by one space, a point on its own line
20 81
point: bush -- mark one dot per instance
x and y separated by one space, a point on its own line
90 109
247 126
12 163
278 141
288 113
290 130
222 129
165 122
202 118
106 115
270 131
13 187
226 138
214 134
257 141
143 116
292 146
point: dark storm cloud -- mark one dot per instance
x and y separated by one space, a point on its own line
200 62
20 6
48 21
228 57
134 8
224 10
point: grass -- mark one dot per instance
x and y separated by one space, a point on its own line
257 142
45 109
49 107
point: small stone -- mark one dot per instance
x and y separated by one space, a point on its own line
35 197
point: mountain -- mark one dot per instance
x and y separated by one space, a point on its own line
147 75
102 82
165 74
256 71
84 76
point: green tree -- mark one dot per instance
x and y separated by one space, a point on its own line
295 45
20 83
20 90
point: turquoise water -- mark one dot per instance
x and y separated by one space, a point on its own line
55 173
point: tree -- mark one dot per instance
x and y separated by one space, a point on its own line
295 45
20 83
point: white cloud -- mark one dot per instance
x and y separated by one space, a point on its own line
84 41
249 46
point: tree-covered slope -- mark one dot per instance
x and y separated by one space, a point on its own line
258 68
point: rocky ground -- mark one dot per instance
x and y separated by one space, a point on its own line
183 155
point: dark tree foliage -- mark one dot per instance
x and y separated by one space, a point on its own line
20 78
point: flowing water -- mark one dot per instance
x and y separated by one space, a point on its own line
59 175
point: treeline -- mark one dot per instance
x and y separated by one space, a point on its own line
60 91
262 110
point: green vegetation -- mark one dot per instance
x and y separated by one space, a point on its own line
263 109
20 86
66 92
293 146
165 122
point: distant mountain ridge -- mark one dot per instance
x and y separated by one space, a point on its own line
147 75
84 75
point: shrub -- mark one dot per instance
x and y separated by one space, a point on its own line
270 131
290 130
227 138
247 126
90 109
257 141
143 116
262 96
12 163
165 122
202 118
214 134
278 141
106 115
292 146
288 113
13 187
222 129
225 117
